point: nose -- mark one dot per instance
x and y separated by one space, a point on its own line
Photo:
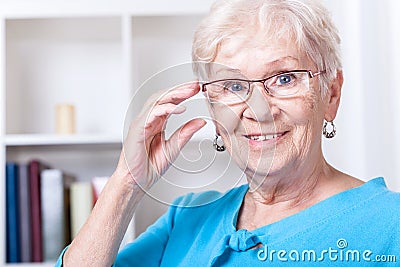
259 105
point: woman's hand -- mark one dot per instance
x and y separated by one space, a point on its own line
146 153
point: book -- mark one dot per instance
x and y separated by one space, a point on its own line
81 205
24 213
55 206
98 184
34 169
12 214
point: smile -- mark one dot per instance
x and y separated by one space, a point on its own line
264 137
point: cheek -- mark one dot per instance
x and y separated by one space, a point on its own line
225 118
307 119
306 109
311 101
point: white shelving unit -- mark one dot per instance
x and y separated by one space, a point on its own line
92 54
50 139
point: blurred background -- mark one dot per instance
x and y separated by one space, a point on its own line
367 143
94 56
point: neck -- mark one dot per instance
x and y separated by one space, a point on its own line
284 193
279 197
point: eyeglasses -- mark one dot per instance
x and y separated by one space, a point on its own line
234 91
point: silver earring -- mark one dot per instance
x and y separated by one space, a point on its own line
332 131
219 148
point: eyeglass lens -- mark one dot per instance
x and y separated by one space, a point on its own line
231 91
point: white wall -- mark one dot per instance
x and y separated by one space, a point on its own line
366 145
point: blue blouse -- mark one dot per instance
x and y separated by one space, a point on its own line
357 227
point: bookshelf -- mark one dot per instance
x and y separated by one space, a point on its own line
92 54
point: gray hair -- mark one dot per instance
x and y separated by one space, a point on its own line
307 21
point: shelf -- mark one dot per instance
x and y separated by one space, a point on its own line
60 8
42 264
92 54
62 60
49 139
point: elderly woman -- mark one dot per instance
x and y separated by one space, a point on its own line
273 79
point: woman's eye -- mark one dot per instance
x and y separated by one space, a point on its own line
234 86
284 79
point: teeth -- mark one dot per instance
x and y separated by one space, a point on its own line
264 137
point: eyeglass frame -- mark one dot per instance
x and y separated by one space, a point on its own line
309 72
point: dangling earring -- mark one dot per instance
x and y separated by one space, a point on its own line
330 134
219 148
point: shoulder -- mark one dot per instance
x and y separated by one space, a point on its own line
387 212
385 201
385 196
199 207
208 198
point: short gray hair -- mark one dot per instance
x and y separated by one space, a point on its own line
307 21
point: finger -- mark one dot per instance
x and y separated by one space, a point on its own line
175 96
181 136
179 93
153 121
163 111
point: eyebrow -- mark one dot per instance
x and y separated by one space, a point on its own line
280 63
237 71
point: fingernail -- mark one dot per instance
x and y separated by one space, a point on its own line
180 108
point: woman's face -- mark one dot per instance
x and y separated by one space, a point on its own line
267 134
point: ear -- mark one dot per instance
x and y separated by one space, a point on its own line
333 96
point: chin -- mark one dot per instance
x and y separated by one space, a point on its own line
268 166
255 167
